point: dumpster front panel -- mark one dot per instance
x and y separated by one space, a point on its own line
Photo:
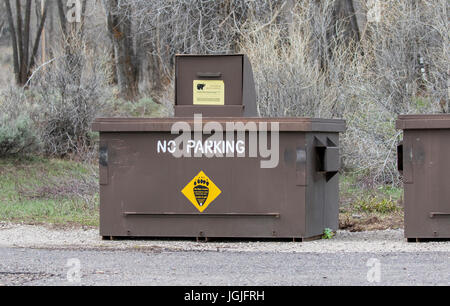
426 168
143 196
147 192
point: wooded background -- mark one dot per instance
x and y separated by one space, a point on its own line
364 61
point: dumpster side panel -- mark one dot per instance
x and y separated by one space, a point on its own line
331 216
322 198
111 200
427 183
315 196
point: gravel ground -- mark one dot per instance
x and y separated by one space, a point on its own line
131 267
14 235
40 255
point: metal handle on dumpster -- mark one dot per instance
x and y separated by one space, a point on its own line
404 161
103 163
439 214
177 214
327 160
400 157
209 74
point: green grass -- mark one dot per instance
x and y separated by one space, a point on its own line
327 233
40 190
365 208
381 199
376 204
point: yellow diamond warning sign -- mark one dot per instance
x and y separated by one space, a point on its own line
201 191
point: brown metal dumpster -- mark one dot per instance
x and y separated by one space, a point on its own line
424 161
228 173
145 191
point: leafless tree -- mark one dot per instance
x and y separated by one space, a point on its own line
2 22
119 24
166 28
73 41
344 11
20 38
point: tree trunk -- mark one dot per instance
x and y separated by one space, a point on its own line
120 27
40 30
73 39
13 34
344 11
24 71
20 39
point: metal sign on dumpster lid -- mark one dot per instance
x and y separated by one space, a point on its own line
209 92
201 191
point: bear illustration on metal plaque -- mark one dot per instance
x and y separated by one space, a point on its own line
201 190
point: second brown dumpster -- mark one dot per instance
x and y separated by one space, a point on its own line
424 160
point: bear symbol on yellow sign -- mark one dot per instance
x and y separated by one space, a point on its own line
201 191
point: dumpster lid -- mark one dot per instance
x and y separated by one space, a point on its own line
433 121
165 124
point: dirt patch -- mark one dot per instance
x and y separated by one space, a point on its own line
52 188
370 222
68 226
